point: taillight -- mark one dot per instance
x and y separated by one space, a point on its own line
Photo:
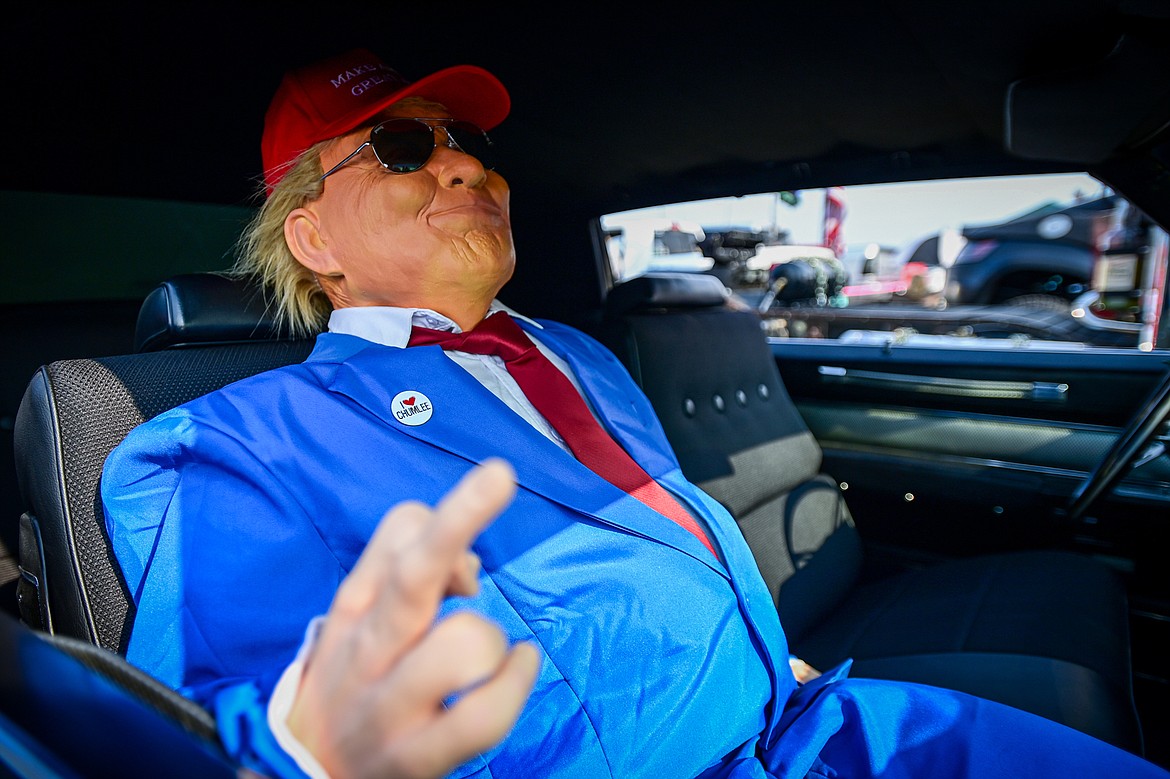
912 269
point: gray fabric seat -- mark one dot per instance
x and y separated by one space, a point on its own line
1047 632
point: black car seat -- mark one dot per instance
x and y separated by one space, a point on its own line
69 709
1043 631
195 333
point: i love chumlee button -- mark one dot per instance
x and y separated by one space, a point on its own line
411 407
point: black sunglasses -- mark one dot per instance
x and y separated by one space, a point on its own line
404 145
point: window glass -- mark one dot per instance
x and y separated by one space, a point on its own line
1058 259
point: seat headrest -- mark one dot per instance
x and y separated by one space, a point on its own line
203 308
665 290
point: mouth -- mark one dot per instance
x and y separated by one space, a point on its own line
469 215
470 208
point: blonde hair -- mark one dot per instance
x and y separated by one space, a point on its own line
302 309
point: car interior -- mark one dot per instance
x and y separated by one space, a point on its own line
982 514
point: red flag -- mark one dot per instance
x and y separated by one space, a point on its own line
834 216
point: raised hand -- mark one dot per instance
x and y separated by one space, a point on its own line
371 697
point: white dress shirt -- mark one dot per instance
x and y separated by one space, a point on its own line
391 327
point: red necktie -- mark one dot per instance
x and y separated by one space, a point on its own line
558 401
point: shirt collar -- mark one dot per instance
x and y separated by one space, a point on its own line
391 326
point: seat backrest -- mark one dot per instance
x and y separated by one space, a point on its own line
710 374
75 412
70 709
197 309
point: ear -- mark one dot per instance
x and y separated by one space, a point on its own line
302 233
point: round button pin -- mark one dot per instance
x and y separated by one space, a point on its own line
411 407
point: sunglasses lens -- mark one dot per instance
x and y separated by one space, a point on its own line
403 145
472 140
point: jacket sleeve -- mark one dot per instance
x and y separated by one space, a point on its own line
225 570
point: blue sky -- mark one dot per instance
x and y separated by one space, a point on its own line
889 214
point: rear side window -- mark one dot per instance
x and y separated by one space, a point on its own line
1057 260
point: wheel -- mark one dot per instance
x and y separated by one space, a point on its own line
1041 302
1129 444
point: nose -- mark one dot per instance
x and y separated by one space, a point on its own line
455 167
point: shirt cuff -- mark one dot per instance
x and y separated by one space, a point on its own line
280 704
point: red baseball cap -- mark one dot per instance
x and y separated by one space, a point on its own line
332 97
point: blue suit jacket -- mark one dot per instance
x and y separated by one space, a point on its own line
236 516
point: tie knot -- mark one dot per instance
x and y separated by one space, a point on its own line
498 334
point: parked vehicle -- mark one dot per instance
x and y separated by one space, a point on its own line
1042 259
641 246
881 274
769 258
732 248
801 276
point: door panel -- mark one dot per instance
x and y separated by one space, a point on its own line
950 452
932 473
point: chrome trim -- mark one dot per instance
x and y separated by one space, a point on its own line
1082 310
938 385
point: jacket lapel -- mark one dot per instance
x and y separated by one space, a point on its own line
469 422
